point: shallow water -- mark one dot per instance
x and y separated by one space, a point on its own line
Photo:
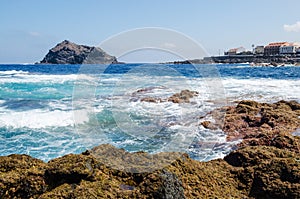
48 111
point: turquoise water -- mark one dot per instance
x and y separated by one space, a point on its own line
49 111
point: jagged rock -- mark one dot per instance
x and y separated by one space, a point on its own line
67 52
267 172
183 97
69 169
257 122
256 171
21 176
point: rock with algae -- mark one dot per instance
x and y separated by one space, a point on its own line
249 172
266 165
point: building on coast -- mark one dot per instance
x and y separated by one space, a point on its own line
259 50
235 51
291 48
274 48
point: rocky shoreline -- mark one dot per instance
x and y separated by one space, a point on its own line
254 60
265 165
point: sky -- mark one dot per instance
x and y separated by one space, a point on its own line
29 28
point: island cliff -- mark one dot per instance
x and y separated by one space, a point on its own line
67 52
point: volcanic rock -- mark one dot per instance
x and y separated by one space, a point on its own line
67 52
250 172
258 123
183 97
267 172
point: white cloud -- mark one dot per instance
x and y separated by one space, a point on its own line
292 28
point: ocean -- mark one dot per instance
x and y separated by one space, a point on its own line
47 111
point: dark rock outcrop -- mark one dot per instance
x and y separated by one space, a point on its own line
21 176
183 97
67 52
249 172
87 176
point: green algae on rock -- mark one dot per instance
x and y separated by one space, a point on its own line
266 165
249 172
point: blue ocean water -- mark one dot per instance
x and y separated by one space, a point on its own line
47 111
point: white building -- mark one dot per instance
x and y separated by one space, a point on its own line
291 48
259 50
235 51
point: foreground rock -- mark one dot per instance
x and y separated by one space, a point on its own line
267 172
67 52
250 172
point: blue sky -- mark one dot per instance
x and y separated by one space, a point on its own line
29 28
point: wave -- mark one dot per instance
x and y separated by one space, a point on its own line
25 77
39 119
262 90
12 72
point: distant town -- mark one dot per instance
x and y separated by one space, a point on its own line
273 54
277 48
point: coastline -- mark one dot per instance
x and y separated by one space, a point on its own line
265 165
259 60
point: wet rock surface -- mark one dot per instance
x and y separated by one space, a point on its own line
183 97
266 165
259 123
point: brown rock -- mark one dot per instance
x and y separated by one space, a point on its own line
257 172
151 100
267 172
183 97
209 125
21 176
250 119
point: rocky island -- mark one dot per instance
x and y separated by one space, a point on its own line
265 165
67 52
